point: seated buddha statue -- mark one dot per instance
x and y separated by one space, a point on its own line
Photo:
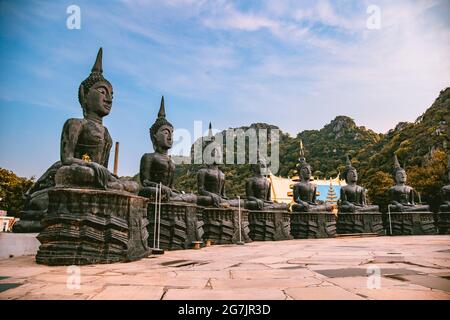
353 197
445 192
86 143
211 180
258 190
84 151
304 191
158 167
402 196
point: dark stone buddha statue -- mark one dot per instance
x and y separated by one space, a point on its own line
211 180
304 191
258 190
401 196
86 143
445 192
353 197
85 148
158 167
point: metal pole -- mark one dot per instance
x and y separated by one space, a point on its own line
240 229
116 158
390 222
156 212
159 213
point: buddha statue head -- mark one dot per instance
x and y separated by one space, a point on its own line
260 167
399 172
95 93
303 168
161 132
350 173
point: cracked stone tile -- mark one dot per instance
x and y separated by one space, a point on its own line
322 293
130 293
239 294
263 284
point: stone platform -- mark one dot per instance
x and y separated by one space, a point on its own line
410 223
180 225
221 225
443 222
269 225
410 267
360 222
87 226
306 225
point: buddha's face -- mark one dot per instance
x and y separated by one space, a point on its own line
352 176
163 137
99 99
400 176
305 172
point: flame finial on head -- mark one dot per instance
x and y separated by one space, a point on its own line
397 166
97 67
162 109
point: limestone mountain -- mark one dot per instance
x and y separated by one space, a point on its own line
416 144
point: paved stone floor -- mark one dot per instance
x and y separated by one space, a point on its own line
411 267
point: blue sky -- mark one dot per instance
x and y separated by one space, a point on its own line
295 64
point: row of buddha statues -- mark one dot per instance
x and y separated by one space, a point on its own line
86 145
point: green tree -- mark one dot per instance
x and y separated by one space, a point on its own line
12 190
378 186
429 179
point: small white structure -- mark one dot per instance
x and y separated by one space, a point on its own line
6 223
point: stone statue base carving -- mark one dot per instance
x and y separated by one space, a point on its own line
222 225
306 225
179 226
87 226
269 225
443 222
360 222
410 223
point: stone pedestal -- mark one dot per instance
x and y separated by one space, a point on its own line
269 225
410 223
306 225
87 226
443 222
360 222
222 225
179 226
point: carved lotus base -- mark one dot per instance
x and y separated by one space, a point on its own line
269 225
179 226
360 222
86 226
222 225
444 222
410 223
306 225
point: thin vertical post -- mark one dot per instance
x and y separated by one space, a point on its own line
116 158
156 213
159 213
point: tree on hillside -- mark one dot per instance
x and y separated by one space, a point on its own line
429 179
